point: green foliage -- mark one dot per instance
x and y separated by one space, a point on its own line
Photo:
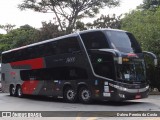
150 4
145 25
104 21
68 11
18 37
80 26
3 43
107 22
7 27
48 31
22 36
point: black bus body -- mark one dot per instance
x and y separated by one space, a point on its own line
102 64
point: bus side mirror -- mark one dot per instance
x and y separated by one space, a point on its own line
153 56
155 62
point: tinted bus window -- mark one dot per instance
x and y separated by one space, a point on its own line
68 45
59 73
122 41
94 40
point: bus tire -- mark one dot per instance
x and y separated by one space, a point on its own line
12 91
85 95
19 92
69 95
158 89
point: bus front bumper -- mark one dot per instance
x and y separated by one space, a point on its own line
124 94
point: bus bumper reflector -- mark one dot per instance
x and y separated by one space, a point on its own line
97 91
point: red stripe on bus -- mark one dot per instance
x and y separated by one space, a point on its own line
28 87
33 63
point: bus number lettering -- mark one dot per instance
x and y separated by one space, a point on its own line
70 60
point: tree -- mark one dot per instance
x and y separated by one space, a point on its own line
67 12
19 37
3 44
7 27
150 4
48 31
145 25
106 21
80 26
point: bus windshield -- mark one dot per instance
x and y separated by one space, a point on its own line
123 42
131 72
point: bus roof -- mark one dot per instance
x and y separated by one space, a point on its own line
103 29
61 37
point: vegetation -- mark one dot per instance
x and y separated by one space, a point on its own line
18 37
7 27
104 21
145 25
150 4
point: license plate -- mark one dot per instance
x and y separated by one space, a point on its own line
138 96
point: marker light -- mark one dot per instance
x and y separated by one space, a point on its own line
125 60
132 55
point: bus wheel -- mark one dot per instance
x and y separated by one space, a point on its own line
19 91
12 91
85 95
69 95
158 89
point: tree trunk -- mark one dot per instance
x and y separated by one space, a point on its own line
59 21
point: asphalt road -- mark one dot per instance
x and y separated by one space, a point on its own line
35 104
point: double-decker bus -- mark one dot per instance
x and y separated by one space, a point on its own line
101 64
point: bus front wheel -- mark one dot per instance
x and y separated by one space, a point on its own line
69 95
85 95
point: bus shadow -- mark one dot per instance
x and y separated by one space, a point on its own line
40 98
60 100
113 103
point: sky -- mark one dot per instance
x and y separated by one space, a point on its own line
10 14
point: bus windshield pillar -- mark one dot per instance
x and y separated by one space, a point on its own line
116 54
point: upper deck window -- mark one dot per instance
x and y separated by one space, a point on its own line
61 46
124 42
94 40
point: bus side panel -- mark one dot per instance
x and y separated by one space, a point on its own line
29 86
12 75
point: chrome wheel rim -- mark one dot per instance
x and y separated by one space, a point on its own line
19 92
13 90
70 94
85 95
